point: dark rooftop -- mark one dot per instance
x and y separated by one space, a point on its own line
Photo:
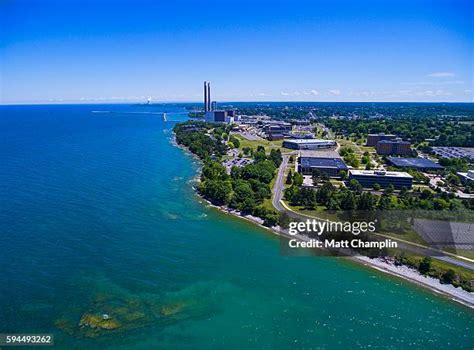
420 163
323 163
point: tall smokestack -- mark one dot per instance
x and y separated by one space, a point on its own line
205 97
208 96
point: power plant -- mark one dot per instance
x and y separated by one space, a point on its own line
207 96
213 115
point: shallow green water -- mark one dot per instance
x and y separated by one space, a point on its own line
99 216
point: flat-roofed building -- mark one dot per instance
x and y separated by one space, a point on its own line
466 177
220 116
272 127
455 152
326 162
368 178
421 164
393 147
275 137
372 139
309 144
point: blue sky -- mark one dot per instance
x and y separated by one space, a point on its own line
120 51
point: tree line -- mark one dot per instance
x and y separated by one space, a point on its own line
245 188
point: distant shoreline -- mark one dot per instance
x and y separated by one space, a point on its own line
199 102
404 272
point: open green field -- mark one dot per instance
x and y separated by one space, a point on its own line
268 145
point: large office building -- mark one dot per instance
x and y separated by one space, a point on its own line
212 114
393 147
273 127
372 139
368 178
326 162
421 164
309 144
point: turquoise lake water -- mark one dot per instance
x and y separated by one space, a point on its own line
98 215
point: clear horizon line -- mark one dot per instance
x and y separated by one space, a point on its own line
200 102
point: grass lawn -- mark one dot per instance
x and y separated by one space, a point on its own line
319 212
410 236
438 267
268 145
468 253
267 203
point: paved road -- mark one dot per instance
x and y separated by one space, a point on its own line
415 248
279 184
279 187
434 183
448 259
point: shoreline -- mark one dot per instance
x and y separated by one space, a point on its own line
406 273
448 291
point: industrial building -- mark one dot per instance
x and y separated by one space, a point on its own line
466 177
372 139
274 127
326 162
368 178
393 147
212 114
421 164
310 144
275 137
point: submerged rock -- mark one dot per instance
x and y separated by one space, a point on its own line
134 316
110 324
98 322
172 309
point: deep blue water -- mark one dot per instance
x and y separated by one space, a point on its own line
98 215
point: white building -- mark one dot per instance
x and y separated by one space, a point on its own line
311 144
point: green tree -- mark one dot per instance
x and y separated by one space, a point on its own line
324 193
276 157
297 179
384 203
289 178
389 190
440 204
425 265
247 151
213 170
242 191
348 201
284 220
448 277
355 185
366 201
217 191
235 141
308 198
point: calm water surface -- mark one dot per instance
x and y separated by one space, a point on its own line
98 215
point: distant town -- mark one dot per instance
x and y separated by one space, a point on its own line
376 160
